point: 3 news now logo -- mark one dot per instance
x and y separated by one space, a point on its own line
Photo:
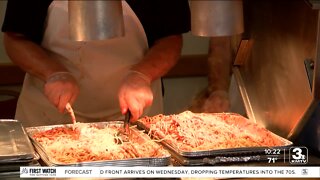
298 155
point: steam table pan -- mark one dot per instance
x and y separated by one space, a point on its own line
164 160
224 152
14 142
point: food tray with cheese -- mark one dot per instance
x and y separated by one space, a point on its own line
210 134
96 144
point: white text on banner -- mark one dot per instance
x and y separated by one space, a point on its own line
172 172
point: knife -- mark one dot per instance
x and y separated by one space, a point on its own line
127 122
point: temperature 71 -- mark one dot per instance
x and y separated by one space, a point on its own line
272 159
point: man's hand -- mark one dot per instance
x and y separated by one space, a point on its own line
61 88
218 101
135 94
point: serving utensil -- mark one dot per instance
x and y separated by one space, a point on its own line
125 132
126 122
71 112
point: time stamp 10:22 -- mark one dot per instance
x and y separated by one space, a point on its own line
293 155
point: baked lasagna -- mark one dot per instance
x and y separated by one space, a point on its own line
189 131
87 143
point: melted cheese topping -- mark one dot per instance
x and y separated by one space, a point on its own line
199 131
89 143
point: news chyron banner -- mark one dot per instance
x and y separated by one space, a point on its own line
171 172
278 163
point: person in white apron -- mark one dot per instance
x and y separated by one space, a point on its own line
93 76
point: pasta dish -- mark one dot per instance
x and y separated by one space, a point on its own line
189 131
91 143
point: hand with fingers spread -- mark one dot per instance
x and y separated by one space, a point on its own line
61 88
135 94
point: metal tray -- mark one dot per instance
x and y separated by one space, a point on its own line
36 157
233 159
16 166
14 142
13 171
152 161
219 160
233 117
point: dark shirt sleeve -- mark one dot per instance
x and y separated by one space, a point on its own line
161 18
26 17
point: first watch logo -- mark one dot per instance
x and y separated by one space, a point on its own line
24 171
298 155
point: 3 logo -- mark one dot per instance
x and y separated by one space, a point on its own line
298 155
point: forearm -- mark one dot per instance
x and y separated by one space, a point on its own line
220 62
161 57
30 57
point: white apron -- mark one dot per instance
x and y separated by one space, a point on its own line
99 67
